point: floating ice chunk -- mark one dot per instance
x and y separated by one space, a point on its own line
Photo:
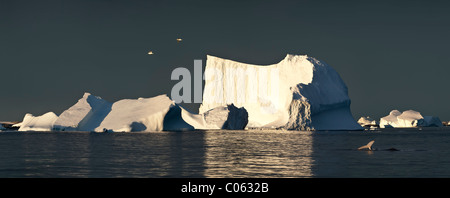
367 121
38 123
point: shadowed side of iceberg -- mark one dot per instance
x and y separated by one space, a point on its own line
173 120
95 117
226 117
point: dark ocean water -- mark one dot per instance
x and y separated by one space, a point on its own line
422 153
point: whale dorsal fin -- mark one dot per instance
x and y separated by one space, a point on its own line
368 146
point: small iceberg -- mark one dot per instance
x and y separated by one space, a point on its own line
409 118
38 123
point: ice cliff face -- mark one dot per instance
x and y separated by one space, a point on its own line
299 93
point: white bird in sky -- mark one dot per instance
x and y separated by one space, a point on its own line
178 40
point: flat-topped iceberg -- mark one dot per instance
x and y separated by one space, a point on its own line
92 113
409 118
298 93
433 121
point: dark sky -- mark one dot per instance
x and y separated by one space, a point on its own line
391 54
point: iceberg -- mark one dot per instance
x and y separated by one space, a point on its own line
367 121
409 118
298 93
85 115
143 114
38 123
160 113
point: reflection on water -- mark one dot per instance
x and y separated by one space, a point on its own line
225 154
258 154
159 154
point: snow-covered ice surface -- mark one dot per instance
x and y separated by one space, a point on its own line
409 118
299 93
38 123
143 114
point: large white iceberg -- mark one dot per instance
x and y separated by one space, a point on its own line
38 123
409 118
299 93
